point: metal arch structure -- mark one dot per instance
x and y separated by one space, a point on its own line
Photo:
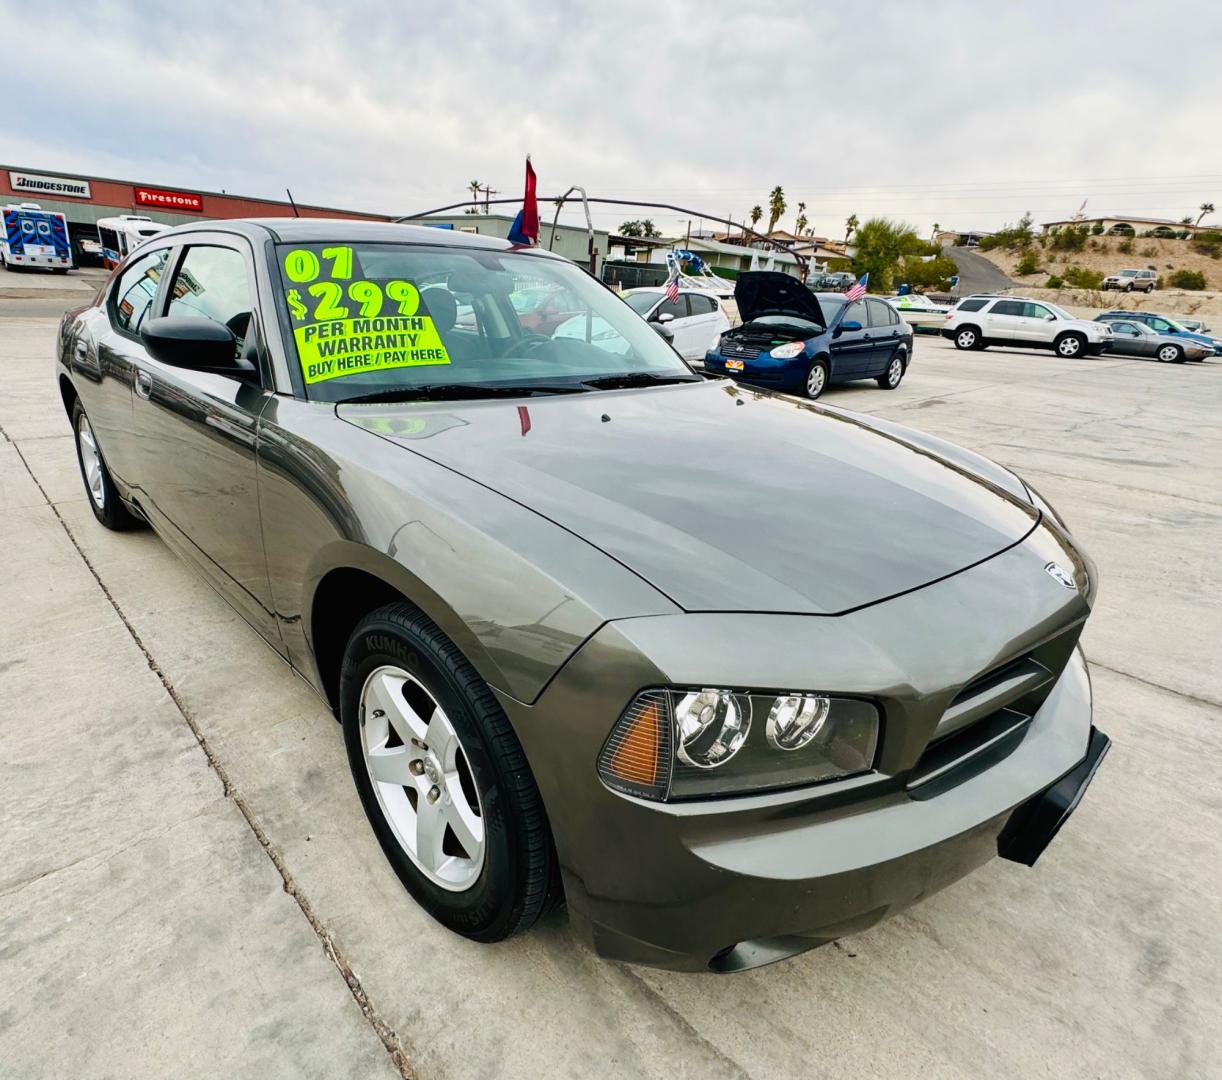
559 201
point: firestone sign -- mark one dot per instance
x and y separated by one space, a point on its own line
37 184
169 200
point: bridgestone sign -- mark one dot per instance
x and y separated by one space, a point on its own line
36 184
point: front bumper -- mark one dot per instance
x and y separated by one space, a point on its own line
731 883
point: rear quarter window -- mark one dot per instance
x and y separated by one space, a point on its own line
971 305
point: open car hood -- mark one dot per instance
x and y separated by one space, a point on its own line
769 292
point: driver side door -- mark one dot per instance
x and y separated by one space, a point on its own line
196 464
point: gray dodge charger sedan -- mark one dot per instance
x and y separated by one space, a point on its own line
729 674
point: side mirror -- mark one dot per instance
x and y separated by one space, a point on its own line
1050 318
666 317
188 342
664 332
849 325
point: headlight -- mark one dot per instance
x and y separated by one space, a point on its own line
676 744
789 350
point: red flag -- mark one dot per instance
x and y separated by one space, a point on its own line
525 228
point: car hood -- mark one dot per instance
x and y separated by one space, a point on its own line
769 292
725 499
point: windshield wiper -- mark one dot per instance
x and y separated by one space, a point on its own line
455 391
636 378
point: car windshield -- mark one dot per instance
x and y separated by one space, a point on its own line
1059 312
383 320
788 320
1128 273
1175 325
642 302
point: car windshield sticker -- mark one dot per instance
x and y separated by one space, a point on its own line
345 327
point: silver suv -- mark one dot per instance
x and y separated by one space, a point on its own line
980 321
1130 280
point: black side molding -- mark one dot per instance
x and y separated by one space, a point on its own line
1033 825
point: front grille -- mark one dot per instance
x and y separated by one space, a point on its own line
738 352
989 716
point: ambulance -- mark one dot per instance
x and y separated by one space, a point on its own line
35 237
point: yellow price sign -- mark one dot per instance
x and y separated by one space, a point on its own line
339 325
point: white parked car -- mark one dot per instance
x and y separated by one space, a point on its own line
977 322
919 311
696 318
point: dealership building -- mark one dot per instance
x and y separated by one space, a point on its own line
84 200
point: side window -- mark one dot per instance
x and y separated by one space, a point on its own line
972 305
1035 311
856 312
212 283
135 291
701 305
1008 307
1161 325
678 308
1124 328
880 313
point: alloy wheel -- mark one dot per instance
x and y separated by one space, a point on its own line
91 462
422 779
815 381
966 339
895 372
1069 346
1168 353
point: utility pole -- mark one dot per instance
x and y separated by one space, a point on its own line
488 193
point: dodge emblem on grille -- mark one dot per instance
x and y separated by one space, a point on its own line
1058 575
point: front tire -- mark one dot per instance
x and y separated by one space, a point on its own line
1070 346
1171 354
967 337
104 500
891 378
816 380
443 779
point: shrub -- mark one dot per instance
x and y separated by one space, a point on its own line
1208 244
1097 230
1125 247
1071 238
1149 253
1054 282
1028 264
921 273
1192 280
1010 237
1081 278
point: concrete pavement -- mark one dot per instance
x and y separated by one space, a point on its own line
145 929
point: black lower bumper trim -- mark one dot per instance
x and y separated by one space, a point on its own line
1033 825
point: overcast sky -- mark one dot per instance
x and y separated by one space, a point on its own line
966 114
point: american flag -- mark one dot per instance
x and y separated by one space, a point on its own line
857 290
672 282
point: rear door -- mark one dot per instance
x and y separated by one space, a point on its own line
885 334
105 358
196 470
1003 320
852 349
705 322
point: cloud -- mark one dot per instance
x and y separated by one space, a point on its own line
962 113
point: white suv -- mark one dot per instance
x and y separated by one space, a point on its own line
980 321
1130 280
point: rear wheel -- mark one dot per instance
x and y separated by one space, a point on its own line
1171 354
967 337
443 779
1070 345
816 379
104 500
890 379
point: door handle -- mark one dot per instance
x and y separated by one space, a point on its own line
144 384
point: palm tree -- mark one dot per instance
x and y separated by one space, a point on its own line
756 214
473 186
1205 208
799 223
849 226
776 206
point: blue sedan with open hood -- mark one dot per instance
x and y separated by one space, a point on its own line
798 340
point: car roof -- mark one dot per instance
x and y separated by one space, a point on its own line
324 230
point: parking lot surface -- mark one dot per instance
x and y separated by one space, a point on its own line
188 886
